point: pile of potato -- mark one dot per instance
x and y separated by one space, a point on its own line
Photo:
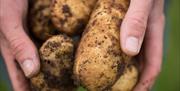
80 45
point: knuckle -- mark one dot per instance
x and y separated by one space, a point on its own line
159 18
18 45
139 23
160 21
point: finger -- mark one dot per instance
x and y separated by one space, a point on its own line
153 57
18 80
134 26
153 53
22 47
13 8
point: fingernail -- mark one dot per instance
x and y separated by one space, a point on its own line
132 44
28 67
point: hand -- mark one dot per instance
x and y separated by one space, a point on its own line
144 23
15 45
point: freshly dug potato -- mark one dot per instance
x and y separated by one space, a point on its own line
56 65
99 60
71 16
128 80
40 24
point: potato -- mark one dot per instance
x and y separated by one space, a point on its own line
39 17
71 16
56 65
127 81
99 60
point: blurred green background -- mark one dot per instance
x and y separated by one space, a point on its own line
169 79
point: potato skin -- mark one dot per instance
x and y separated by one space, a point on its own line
71 16
39 19
56 65
127 80
99 60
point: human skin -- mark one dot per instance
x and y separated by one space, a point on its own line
15 45
143 23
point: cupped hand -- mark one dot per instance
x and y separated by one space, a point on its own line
16 47
143 23
142 32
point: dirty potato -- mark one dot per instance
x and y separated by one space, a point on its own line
127 80
40 24
71 16
99 60
56 65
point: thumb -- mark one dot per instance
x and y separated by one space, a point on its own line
134 26
22 48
